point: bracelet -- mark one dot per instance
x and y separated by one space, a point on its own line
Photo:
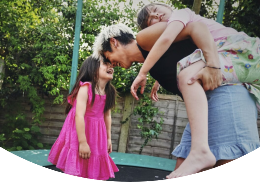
211 67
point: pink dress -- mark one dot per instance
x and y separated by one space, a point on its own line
216 29
64 152
239 54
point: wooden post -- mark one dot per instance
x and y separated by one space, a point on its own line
174 126
196 6
128 108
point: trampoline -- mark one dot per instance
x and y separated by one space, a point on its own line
132 167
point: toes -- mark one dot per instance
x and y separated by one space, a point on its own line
173 175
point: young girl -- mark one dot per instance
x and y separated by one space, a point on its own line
239 57
83 146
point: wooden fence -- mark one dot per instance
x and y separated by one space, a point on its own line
125 137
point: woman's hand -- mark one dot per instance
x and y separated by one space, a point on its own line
84 150
109 146
155 88
211 78
140 80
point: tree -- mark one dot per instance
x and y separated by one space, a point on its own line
238 14
196 6
36 46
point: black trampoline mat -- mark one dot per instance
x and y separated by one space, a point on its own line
125 174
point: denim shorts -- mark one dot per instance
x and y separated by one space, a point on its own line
232 124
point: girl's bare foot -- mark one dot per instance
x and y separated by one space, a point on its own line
195 162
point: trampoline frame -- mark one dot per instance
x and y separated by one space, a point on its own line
39 157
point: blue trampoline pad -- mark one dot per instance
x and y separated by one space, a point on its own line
19 165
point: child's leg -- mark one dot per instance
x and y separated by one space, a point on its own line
200 156
72 180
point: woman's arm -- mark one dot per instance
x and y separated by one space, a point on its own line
82 98
108 122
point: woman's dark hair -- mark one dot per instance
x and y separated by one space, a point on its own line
89 72
144 13
124 38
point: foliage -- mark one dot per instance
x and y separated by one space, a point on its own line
17 133
238 14
243 16
150 128
36 44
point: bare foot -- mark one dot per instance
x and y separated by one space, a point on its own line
195 162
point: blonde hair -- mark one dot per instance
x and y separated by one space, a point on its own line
106 34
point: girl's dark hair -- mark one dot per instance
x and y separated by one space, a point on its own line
89 72
144 13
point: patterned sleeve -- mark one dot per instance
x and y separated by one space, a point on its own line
182 15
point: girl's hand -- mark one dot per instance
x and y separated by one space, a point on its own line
155 88
109 146
140 80
84 150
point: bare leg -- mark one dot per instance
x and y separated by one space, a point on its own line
72 180
198 177
200 156
243 169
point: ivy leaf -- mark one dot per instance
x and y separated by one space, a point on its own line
2 137
27 136
40 145
31 148
18 131
35 128
19 148
26 129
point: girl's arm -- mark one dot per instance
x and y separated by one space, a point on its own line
158 49
108 122
201 36
82 98
161 45
211 78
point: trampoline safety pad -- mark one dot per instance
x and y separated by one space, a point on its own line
132 167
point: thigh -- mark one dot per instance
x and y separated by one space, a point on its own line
199 177
243 169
